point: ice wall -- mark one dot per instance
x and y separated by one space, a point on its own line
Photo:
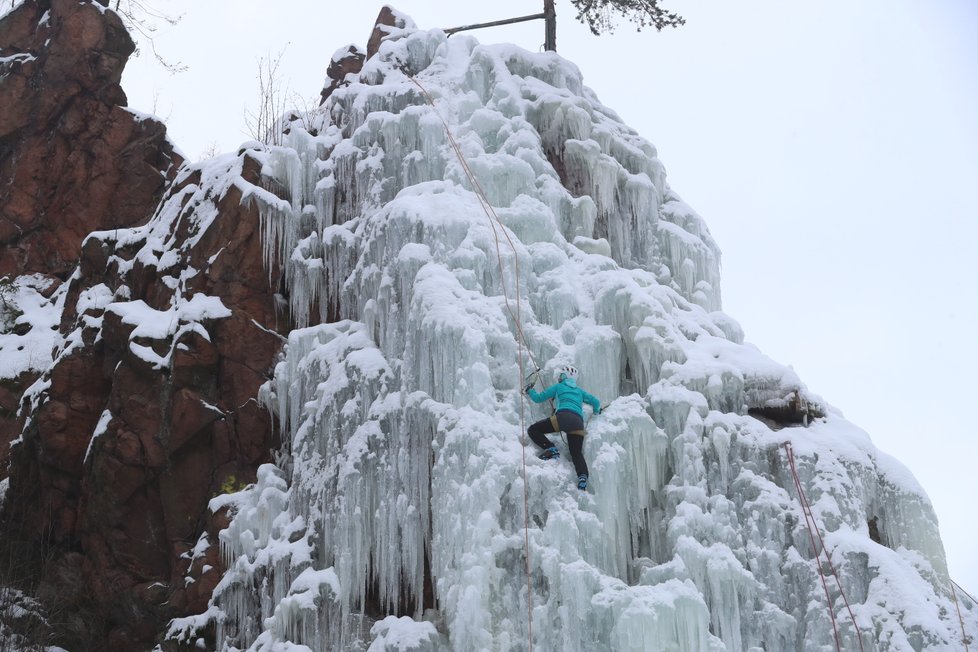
399 515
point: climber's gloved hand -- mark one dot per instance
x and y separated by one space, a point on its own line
526 390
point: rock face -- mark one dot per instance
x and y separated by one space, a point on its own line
72 158
348 61
147 410
387 21
136 429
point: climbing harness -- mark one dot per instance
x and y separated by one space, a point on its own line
572 373
813 532
520 337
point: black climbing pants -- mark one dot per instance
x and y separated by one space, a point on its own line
571 423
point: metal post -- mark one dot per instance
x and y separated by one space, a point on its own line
549 17
550 20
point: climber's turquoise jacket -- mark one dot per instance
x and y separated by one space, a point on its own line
569 397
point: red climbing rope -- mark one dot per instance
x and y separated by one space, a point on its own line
814 532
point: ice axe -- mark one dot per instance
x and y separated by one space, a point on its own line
531 380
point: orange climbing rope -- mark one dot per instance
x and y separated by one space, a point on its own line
813 532
957 607
961 588
521 339
493 221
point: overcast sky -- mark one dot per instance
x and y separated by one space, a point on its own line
831 146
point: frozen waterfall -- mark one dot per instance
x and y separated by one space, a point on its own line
395 517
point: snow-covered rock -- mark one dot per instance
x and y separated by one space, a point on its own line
458 214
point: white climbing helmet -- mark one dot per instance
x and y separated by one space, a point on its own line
566 371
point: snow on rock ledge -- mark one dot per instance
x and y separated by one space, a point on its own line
145 409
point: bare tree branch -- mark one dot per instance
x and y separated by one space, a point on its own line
142 20
262 124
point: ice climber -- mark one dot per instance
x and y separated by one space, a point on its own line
568 416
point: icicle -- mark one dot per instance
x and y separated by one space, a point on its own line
401 417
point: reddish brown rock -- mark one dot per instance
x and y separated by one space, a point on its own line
72 159
133 498
386 19
133 433
349 63
11 391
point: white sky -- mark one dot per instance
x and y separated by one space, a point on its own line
831 146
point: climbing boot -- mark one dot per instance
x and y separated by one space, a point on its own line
550 454
582 482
